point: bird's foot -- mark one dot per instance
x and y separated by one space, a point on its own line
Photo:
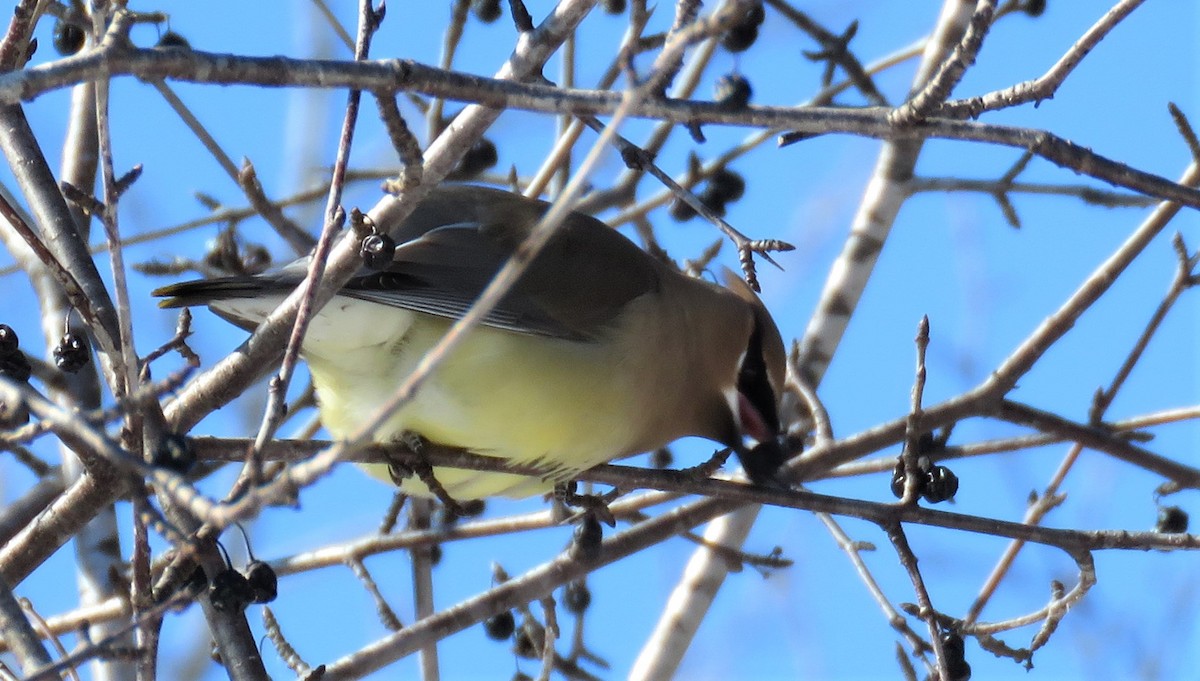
400 470
596 505
421 468
586 543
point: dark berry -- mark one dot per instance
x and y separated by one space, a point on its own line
727 185
171 39
713 200
743 34
924 474
174 453
486 11
499 627
661 458
755 15
942 484
1034 8
230 592
927 443
9 342
525 646
955 652
577 597
1172 520
223 252
68 37
255 259
264 585
952 645
481 156
732 91
13 417
195 581
15 367
585 545
614 6
72 353
377 250
681 211
898 480
739 38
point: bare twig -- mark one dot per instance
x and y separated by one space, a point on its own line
23 640
895 532
935 91
245 177
420 511
1045 86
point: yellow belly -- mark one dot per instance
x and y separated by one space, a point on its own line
527 398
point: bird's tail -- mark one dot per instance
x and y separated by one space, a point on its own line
243 300
207 291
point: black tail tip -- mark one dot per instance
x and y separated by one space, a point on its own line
171 296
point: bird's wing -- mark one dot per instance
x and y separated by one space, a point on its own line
454 243
578 284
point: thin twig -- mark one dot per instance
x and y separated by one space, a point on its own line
420 511
22 638
895 533
913 426
853 550
1045 86
245 177
938 88
368 24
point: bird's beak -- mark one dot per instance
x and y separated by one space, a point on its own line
754 398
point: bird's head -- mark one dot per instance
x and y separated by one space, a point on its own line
754 431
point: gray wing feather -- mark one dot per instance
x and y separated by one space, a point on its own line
456 242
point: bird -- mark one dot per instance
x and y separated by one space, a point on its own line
598 352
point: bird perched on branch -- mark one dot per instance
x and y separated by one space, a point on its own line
599 351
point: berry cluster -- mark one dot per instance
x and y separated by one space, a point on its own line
724 187
232 591
935 484
72 353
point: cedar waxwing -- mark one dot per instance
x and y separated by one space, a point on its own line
598 352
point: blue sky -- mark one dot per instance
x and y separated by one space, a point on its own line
984 285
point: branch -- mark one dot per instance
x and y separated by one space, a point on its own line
1045 86
395 75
